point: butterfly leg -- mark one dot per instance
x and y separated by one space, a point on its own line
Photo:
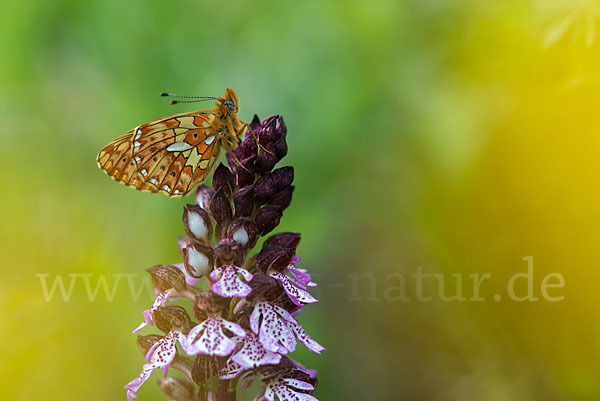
246 125
229 149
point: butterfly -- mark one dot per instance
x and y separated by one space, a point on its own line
174 154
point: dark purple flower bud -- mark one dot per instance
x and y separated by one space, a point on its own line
172 317
247 148
264 286
266 161
268 133
243 200
244 231
203 196
231 160
280 128
280 148
255 124
285 240
197 223
246 175
264 188
268 218
220 208
229 252
223 179
166 277
198 260
283 177
276 258
177 389
277 251
282 198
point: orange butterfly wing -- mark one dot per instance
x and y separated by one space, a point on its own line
170 156
115 160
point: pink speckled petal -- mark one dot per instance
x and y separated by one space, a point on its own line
282 388
273 331
227 282
161 300
253 354
160 356
297 294
305 338
208 338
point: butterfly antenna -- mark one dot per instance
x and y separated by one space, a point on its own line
196 98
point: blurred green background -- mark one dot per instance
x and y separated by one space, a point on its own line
459 137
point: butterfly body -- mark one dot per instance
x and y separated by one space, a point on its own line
174 154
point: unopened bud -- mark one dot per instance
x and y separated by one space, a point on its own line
220 207
203 196
223 179
197 260
166 277
146 342
268 218
264 188
197 223
244 231
172 317
243 201
283 177
282 198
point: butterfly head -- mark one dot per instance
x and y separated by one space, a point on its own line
230 101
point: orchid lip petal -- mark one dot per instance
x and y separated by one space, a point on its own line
161 300
208 338
299 384
302 276
273 331
231 370
282 388
228 284
298 295
305 338
159 356
254 354
278 330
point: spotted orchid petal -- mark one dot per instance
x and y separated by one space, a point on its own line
253 354
231 370
227 281
301 275
273 331
282 388
305 338
159 356
208 338
297 294
161 300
